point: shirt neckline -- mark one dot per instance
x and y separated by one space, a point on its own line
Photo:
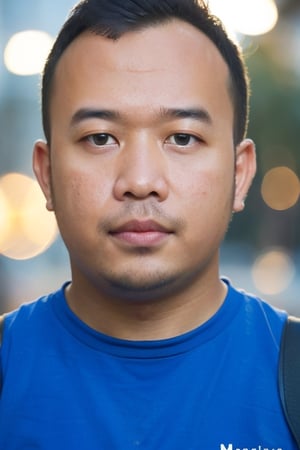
146 349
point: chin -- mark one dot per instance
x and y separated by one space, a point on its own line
132 288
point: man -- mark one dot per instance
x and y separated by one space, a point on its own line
145 113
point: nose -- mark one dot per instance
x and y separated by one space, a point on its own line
142 171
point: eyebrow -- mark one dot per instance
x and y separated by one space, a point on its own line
199 114
90 113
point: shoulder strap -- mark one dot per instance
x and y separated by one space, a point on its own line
289 375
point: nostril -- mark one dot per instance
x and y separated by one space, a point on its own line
139 194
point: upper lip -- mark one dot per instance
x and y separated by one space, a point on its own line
140 226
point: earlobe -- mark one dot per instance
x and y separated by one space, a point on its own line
42 170
245 169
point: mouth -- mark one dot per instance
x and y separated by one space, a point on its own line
141 233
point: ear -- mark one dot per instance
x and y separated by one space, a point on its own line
42 169
245 169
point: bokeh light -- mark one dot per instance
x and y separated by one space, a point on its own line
273 272
280 188
26 52
26 227
4 211
249 17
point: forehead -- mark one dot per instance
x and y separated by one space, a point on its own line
165 64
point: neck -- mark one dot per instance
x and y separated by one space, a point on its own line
153 319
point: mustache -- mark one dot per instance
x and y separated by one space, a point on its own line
141 210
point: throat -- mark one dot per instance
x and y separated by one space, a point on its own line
147 320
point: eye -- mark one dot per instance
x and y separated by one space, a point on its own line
101 139
182 139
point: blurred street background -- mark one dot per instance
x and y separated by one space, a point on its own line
261 252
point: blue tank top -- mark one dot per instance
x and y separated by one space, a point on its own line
69 387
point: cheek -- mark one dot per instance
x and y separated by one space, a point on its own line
208 205
209 211
79 194
212 187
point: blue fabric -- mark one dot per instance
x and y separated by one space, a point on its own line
66 386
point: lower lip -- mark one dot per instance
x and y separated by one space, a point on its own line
141 238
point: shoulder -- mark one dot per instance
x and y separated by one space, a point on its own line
258 317
28 315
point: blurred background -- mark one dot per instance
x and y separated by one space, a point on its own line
261 252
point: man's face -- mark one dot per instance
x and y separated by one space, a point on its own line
141 170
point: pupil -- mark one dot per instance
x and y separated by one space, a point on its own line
182 139
100 139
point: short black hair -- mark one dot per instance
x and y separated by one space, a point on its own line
113 18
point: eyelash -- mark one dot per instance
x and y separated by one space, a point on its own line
185 136
107 137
